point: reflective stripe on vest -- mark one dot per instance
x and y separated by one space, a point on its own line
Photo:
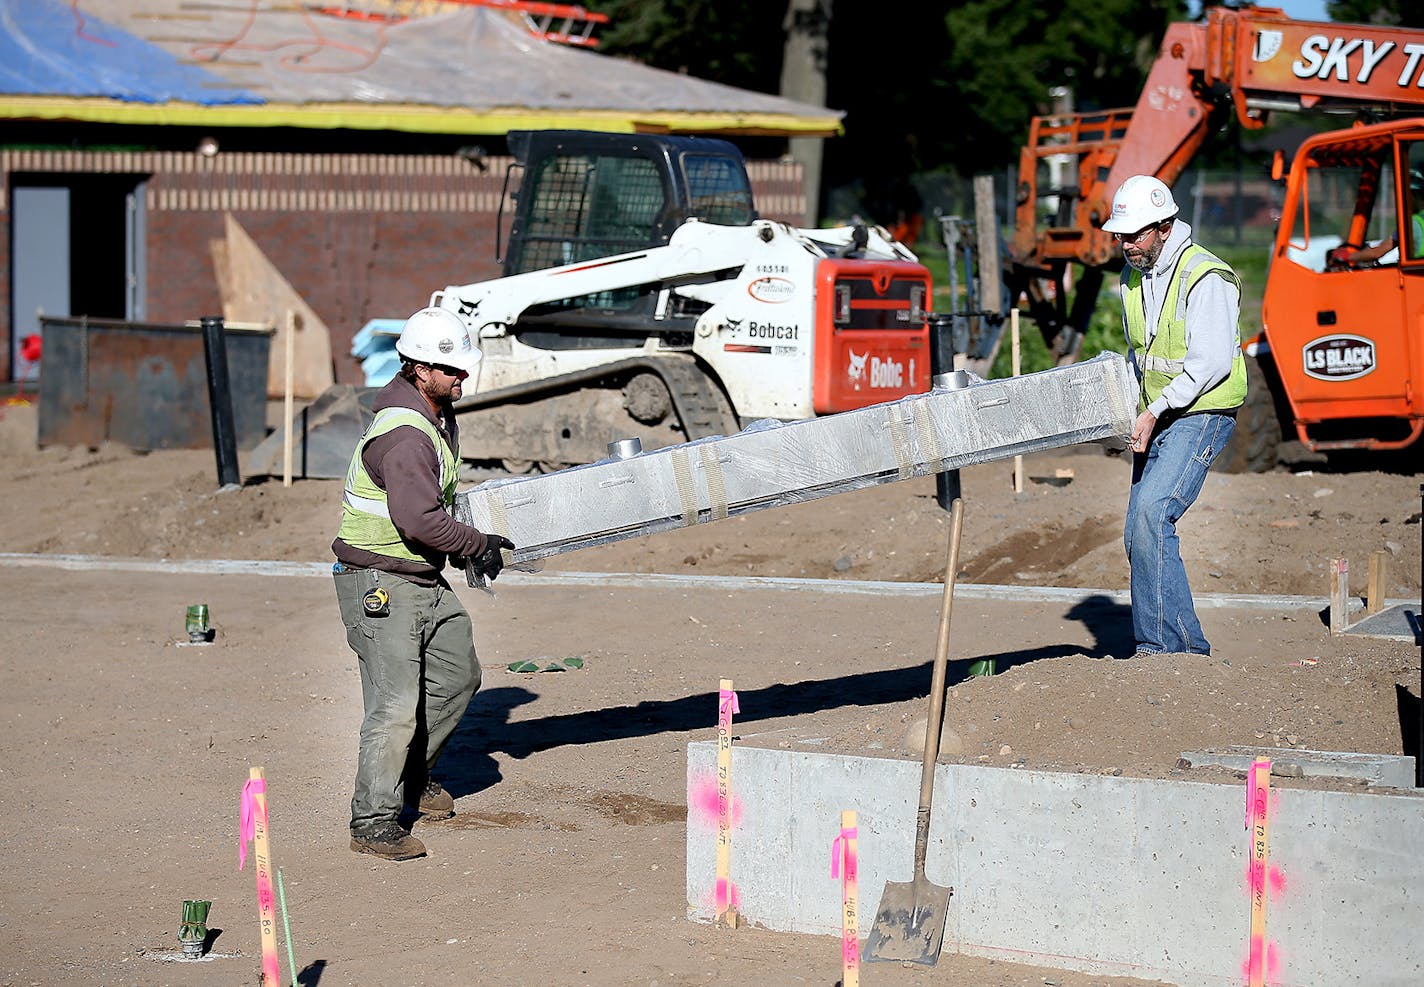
365 513
1164 358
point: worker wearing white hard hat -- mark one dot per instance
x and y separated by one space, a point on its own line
1180 309
412 636
438 337
1140 201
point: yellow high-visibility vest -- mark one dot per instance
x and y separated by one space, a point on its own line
1159 362
365 514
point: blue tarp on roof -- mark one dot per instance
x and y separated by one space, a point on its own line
51 48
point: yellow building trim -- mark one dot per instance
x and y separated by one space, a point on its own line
412 118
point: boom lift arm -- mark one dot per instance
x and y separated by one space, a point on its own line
1244 62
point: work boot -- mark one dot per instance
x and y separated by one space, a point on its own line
390 841
435 802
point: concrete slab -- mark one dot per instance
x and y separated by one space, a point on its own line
1108 876
1399 622
1065 595
1380 770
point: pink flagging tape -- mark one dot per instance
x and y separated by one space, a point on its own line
247 816
840 847
254 826
726 705
843 849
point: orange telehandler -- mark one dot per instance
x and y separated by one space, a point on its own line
1337 362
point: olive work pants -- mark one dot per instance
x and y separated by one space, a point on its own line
418 672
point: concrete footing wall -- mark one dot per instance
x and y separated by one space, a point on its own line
1110 876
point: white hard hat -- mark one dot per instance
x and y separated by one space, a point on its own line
1140 201
437 335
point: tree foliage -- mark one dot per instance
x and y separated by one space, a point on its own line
1391 13
734 42
1005 56
943 85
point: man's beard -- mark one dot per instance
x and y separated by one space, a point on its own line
1147 260
440 395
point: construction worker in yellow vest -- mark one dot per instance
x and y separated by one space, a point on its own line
412 636
1180 307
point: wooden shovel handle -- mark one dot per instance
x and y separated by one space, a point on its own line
935 722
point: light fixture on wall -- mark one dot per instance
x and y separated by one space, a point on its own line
208 147
475 155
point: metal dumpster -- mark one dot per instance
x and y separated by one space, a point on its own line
144 385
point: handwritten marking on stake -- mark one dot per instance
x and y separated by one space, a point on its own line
843 848
1258 822
252 825
726 892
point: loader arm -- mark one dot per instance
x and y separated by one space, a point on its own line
688 265
695 251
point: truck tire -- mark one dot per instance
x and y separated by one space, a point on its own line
1255 446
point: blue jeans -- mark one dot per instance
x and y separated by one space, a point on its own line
419 671
1166 480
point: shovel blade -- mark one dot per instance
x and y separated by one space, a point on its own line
909 927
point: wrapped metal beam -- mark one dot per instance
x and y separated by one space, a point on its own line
771 464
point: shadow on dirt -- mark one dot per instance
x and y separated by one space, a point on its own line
1410 709
468 765
1109 622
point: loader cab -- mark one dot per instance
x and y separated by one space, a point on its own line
580 196
1345 340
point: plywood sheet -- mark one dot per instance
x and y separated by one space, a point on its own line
254 291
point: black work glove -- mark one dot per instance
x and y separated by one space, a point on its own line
489 562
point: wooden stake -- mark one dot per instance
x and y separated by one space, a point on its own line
986 245
290 347
844 851
726 706
1379 580
1339 595
1258 821
1014 354
254 814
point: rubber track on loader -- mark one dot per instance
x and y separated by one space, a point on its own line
700 405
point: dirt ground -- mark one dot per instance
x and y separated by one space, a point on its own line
565 864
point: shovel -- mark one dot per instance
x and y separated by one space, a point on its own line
910 923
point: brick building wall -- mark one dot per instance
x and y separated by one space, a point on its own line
358 236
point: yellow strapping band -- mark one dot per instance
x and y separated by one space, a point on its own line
900 443
716 483
687 491
498 521
929 437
